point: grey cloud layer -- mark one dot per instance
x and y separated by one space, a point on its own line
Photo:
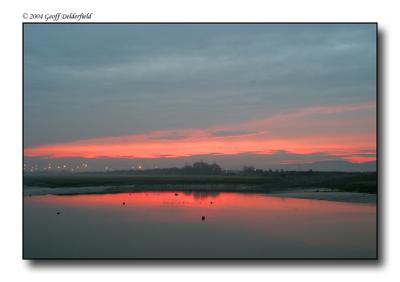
84 81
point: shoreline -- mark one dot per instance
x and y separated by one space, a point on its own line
324 194
336 196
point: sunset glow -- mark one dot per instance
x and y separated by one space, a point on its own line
169 95
200 141
304 131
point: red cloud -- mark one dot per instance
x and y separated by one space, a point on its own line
303 131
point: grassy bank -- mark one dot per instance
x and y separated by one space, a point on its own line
349 182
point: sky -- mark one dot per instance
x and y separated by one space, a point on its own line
269 95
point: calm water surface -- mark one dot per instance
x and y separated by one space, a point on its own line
170 225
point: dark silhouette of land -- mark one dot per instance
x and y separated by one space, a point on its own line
209 177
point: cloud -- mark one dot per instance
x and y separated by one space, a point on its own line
232 132
273 135
88 81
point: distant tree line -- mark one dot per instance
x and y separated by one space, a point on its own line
203 168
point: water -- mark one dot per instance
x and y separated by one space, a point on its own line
170 225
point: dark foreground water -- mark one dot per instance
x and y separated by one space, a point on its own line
170 225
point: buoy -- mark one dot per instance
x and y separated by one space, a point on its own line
176 194
211 202
58 212
203 217
123 203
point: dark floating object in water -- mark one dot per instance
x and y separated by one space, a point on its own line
211 203
176 194
123 203
203 217
58 213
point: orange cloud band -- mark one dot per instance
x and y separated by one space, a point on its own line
303 131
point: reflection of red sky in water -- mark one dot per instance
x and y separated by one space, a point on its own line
257 215
202 200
